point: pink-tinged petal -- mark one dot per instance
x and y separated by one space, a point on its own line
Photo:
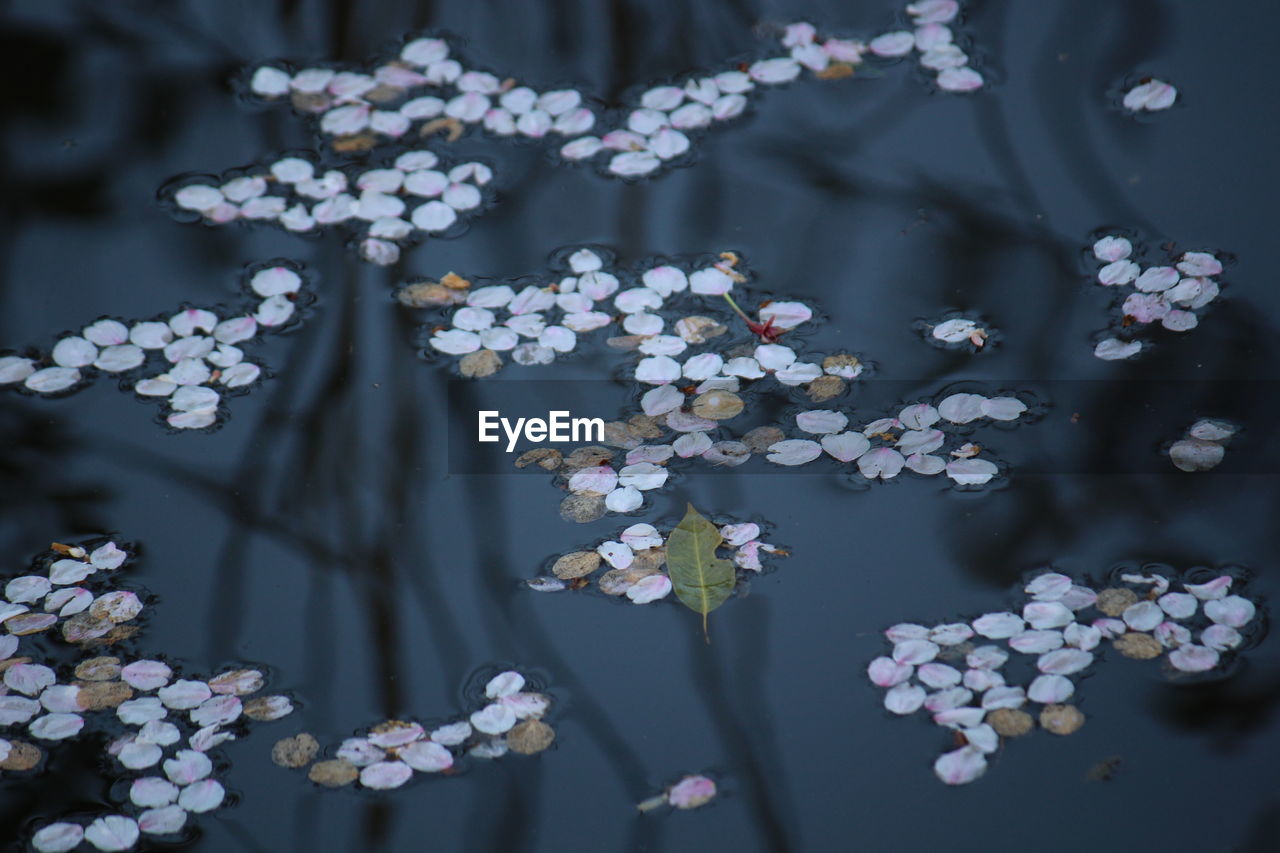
494 719
1145 307
1157 279
51 380
426 757
779 70
395 734
17 709
915 652
987 657
979 680
1179 605
959 718
1050 689
904 631
208 737
1114 350
527 705
649 588
385 775
29 678
1110 628
112 832
1047 614
152 792
1110 249
904 699
1083 637
938 675
845 446
1143 616
219 710
504 684
1214 589
1004 697
1232 611
794 452
961 79
146 674
184 694
962 408
883 462
360 752
452 734
960 766
58 838
971 472
948 699
933 11
951 634
599 480
1199 264
1118 272
1179 321
163 821
1151 95
1193 658
998 626
1036 642
139 755
1064 661
187 766
1221 637
57 726
634 163
8 645
27 589
15 369
136 712
203 796
898 43
159 732
624 499
822 421
1079 597
929 37
886 672
1171 635
61 698
691 792
1193 454
1050 586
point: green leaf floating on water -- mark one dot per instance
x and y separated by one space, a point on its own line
701 580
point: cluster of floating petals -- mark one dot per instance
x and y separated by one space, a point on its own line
934 41
1169 294
689 793
428 88
193 359
634 562
386 205
921 438
958 333
1150 95
954 672
915 440
1203 446
509 719
673 348
170 722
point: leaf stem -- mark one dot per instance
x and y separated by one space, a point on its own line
734 306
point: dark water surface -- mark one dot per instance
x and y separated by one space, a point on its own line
325 534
